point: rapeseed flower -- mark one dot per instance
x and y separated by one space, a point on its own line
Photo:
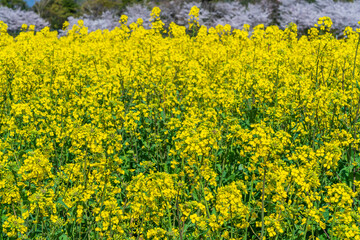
139 133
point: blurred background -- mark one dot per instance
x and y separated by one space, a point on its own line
105 14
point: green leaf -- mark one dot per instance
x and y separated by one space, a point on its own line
62 203
63 237
186 226
29 150
357 85
224 173
218 167
326 214
241 167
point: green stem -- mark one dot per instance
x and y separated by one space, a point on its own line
262 207
307 223
356 51
248 215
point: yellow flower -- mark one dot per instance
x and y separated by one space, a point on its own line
14 225
123 19
194 11
54 218
65 25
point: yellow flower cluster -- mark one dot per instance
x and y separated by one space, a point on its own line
180 133
194 17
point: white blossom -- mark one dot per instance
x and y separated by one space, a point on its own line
305 14
108 20
136 11
236 14
232 13
14 19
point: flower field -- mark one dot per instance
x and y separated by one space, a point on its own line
180 132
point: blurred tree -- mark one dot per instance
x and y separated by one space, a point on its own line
247 2
207 4
14 4
40 6
97 7
273 6
56 11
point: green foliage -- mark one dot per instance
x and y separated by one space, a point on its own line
56 11
14 4
247 2
97 7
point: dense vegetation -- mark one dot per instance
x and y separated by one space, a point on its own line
56 12
190 133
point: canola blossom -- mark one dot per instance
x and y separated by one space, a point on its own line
180 133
